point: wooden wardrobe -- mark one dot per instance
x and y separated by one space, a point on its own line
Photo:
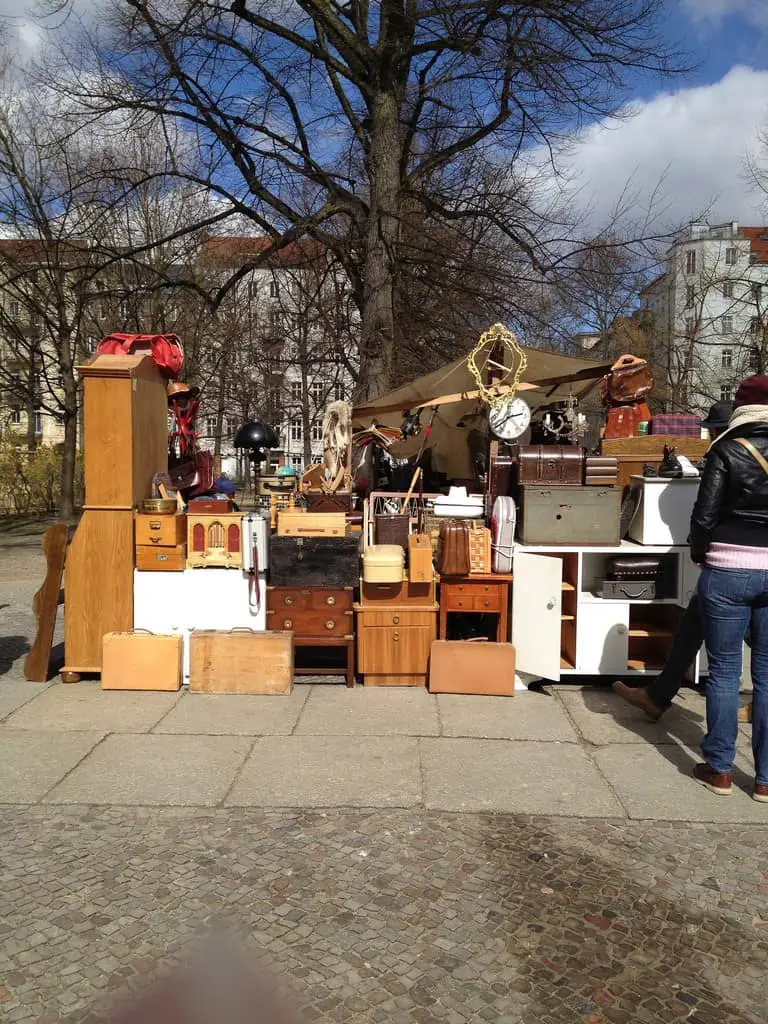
125 442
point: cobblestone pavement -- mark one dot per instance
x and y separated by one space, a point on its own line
395 916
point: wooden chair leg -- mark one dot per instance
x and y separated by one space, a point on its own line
350 664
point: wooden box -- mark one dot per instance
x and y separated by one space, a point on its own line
420 558
404 593
311 524
161 531
214 540
314 561
211 506
157 559
141 661
241 661
470 666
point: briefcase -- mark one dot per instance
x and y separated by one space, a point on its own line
472 666
139 660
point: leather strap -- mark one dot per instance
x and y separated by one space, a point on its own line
753 452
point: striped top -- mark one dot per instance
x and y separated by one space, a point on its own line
736 556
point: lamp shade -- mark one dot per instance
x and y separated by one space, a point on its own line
255 437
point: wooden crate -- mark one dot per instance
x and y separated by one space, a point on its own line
420 569
241 661
311 524
141 661
475 667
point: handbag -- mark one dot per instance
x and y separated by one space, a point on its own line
454 549
630 380
165 349
194 476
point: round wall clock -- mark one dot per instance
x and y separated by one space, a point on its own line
509 420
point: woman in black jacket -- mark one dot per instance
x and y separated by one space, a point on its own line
729 538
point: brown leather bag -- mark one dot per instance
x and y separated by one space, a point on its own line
630 380
454 549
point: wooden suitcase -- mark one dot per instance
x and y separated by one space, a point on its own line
420 558
550 464
141 661
241 661
158 559
161 531
471 666
311 524
314 561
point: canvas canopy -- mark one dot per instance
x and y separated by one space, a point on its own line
554 376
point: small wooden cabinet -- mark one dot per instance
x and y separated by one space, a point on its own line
393 644
487 593
317 617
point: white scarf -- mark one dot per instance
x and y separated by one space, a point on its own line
744 414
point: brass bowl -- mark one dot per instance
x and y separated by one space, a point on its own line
158 506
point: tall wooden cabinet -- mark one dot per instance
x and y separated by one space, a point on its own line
125 442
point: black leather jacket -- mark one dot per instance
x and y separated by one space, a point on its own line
732 503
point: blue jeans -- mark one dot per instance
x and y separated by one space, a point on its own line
731 600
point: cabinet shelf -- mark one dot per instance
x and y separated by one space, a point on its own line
639 665
567 586
650 631
589 598
568 618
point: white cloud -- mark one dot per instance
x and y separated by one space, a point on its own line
713 12
694 140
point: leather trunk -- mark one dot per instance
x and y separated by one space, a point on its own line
314 561
550 464
476 667
454 549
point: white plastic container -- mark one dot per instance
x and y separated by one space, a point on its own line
459 505
664 513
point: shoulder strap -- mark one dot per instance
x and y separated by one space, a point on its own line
753 452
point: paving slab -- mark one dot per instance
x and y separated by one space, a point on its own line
602 718
369 711
14 693
155 770
522 777
229 714
33 762
330 771
85 706
526 716
656 783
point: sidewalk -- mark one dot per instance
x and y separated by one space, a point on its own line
571 751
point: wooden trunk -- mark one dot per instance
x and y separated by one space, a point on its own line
314 561
241 661
157 559
468 666
141 661
551 464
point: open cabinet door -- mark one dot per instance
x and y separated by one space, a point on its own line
536 609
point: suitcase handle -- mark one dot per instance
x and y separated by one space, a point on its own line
241 629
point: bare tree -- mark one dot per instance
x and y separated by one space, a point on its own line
342 121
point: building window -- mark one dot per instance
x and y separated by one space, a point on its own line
172 315
690 293
14 308
726 392
15 417
210 426
726 358
38 422
274 291
755 327
101 312
90 343
726 325
319 391
296 431
297 391
690 261
728 289
317 431
754 360
297 461
123 309
338 392
731 255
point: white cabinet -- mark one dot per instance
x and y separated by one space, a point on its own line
536 611
602 638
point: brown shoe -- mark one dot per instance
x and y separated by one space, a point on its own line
760 793
638 696
714 782
745 713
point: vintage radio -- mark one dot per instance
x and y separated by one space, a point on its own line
298 523
562 465
314 561
214 540
161 531
569 515
255 542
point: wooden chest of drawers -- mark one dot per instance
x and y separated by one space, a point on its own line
161 531
488 593
317 617
393 644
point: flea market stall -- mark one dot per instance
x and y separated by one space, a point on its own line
460 533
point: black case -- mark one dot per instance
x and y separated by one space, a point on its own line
314 561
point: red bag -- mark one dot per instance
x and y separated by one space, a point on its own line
193 476
165 349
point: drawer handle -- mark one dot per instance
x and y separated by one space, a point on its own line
395 636
396 620
330 624
155 540
289 600
487 604
330 600
155 526
287 623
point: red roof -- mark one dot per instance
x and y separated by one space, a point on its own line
241 248
758 242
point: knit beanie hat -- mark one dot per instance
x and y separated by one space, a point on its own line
752 391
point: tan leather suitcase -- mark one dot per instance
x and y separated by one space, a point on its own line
141 661
161 531
161 559
420 558
472 666
241 661
311 524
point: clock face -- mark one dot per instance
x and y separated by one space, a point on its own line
510 420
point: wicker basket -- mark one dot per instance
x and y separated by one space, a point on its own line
393 529
479 549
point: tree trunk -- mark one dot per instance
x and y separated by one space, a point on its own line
69 454
377 340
